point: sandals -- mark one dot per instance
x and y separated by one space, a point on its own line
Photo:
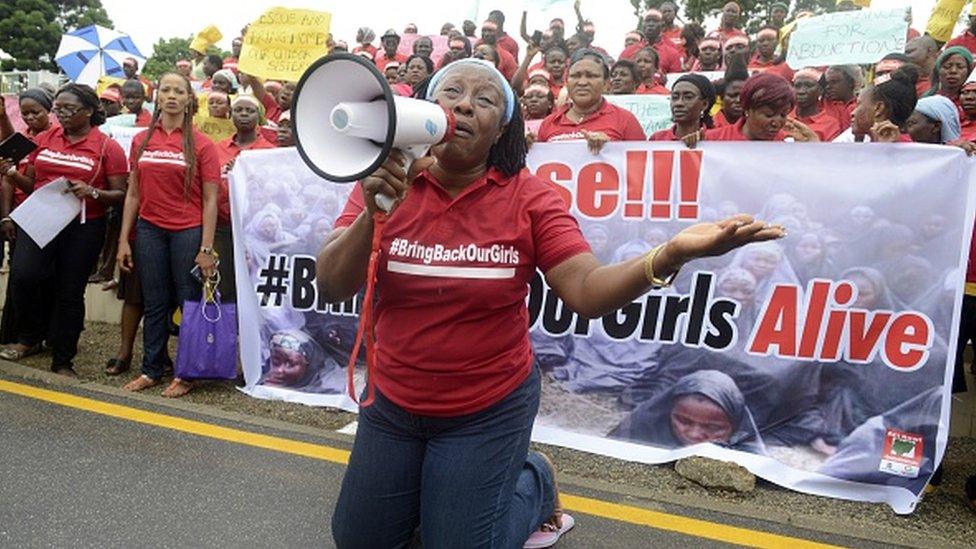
12 354
115 366
179 387
140 383
555 526
547 538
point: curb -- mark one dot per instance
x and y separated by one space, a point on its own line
629 495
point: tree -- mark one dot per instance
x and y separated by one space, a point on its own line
167 52
165 55
30 30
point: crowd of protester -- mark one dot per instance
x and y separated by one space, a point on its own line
163 208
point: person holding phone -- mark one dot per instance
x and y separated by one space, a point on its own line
92 166
172 205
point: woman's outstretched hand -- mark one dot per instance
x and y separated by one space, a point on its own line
711 239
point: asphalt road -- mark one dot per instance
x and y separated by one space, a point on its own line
74 478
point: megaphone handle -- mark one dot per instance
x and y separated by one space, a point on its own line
410 154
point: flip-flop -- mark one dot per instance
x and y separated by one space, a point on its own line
543 538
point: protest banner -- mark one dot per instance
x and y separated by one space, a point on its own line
282 43
942 21
827 356
847 37
439 42
652 111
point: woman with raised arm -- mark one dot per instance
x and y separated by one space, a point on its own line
443 439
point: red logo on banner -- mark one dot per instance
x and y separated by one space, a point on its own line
902 453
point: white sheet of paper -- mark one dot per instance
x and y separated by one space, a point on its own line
47 211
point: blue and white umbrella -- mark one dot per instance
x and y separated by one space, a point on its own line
90 52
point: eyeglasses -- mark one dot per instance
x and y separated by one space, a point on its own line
66 112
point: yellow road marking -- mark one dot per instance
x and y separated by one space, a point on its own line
589 506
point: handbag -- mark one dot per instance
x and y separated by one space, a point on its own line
207 346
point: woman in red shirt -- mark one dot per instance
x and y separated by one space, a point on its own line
767 100
172 204
444 443
729 89
692 97
624 78
95 169
806 82
588 116
646 61
35 108
967 101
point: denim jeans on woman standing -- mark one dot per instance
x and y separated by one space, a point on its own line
164 259
467 481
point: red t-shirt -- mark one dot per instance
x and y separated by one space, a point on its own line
733 132
369 48
227 150
667 134
509 44
272 111
674 35
840 111
56 157
779 69
822 123
968 128
719 120
669 59
656 89
966 40
619 124
722 35
382 60
453 270
161 173
143 119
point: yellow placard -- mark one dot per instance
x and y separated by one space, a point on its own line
105 81
217 129
282 43
945 13
206 38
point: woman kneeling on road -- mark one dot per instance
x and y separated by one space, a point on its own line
444 442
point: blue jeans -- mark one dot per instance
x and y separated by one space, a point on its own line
164 259
467 481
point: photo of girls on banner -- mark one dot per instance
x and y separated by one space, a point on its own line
822 362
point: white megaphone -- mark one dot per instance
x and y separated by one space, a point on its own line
346 120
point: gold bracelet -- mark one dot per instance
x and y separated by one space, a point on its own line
649 269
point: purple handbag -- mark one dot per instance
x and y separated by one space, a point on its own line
208 340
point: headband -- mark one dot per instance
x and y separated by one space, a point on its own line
217 94
489 25
540 72
888 65
538 88
882 78
111 94
969 85
809 73
246 99
766 32
736 40
653 11
710 42
182 63
470 61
